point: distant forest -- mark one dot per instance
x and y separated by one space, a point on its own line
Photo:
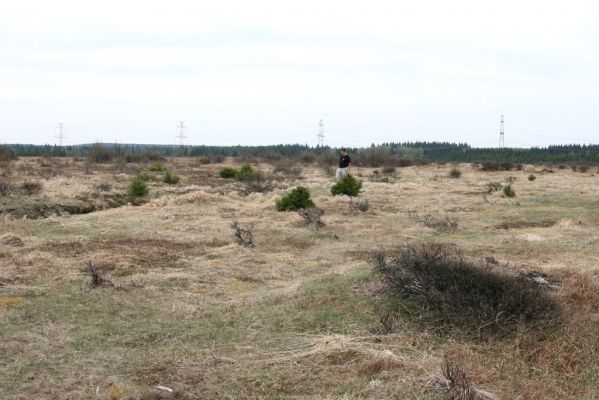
424 151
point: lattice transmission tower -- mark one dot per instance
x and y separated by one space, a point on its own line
182 131
60 130
501 134
321 133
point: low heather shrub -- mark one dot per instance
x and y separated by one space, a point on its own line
451 292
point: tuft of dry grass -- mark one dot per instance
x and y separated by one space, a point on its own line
11 240
7 302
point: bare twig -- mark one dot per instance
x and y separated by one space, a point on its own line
245 236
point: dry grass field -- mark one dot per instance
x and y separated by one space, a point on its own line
300 315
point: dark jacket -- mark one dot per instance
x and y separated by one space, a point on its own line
344 161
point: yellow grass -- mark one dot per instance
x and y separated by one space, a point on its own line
295 315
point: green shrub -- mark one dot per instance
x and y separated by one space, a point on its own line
137 187
170 179
228 173
531 177
297 199
508 191
157 167
245 172
455 173
349 186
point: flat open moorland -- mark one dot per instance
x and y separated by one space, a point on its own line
181 304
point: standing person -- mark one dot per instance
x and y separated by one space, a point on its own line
344 162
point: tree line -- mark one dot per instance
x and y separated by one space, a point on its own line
420 151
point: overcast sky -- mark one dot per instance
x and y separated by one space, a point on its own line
264 72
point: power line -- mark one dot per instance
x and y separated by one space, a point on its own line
60 133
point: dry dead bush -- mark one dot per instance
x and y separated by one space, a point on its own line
24 169
459 384
434 221
389 170
97 278
5 188
455 382
307 157
359 204
244 236
287 168
49 172
271 156
257 182
102 187
202 161
98 153
31 187
327 163
494 187
312 216
475 298
7 169
387 174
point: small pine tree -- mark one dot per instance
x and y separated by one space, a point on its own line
245 172
297 199
508 191
171 179
157 167
349 186
531 177
137 188
228 173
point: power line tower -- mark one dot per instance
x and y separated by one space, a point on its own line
321 133
501 134
181 136
60 132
